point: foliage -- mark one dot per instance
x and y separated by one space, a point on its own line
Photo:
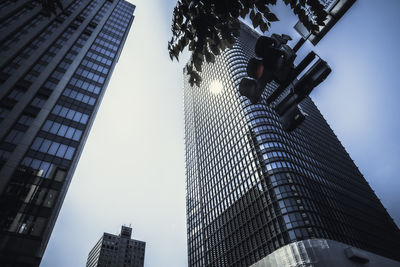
50 7
208 27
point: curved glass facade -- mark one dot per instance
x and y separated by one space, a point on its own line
253 188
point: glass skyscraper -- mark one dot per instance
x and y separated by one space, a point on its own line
259 195
53 74
117 251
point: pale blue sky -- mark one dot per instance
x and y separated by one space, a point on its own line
132 167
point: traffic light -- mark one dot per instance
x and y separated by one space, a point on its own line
303 87
292 118
277 56
299 68
250 89
275 61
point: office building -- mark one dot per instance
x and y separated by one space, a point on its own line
53 74
117 251
257 195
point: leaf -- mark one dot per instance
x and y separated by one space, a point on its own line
263 27
243 12
252 14
210 58
215 50
208 27
197 64
256 20
271 17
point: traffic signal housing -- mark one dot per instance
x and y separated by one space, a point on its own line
250 89
275 61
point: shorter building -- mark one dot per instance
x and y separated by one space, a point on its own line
117 251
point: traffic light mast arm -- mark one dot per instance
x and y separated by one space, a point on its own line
299 44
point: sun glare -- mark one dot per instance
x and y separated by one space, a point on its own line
216 87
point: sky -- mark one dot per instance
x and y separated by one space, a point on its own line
132 169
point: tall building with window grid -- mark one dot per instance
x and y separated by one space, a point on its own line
53 74
257 195
117 251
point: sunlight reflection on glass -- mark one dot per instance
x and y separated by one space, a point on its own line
216 87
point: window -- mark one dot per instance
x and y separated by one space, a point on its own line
53 148
38 226
70 114
60 175
50 198
38 101
25 120
16 94
61 150
14 137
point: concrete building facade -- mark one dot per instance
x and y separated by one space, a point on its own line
53 75
117 251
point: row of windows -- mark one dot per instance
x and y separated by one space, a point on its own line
89 8
90 75
5 3
25 120
44 168
279 164
104 51
16 93
14 137
24 10
85 85
294 219
45 59
114 40
79 96
38 101
34 44
119 18
28 50
25 224
53 148
290 205
92 65
14 38
70 113
62 130
107 44
99 58
101 12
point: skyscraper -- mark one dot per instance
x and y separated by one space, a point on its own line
53 75
117 251
259 195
